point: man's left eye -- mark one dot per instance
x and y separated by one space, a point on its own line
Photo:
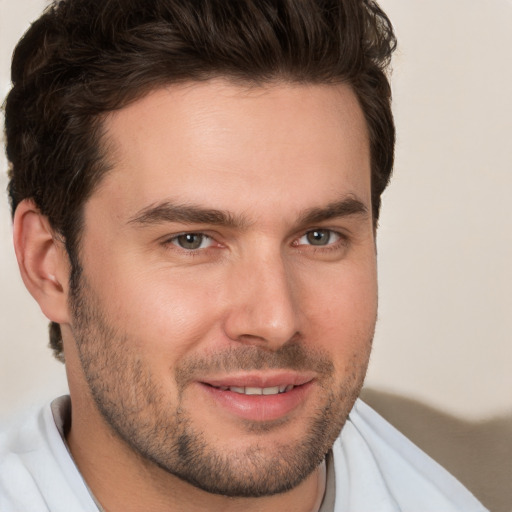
319 237
192 241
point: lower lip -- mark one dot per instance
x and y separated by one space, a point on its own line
259 408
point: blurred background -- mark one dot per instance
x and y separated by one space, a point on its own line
441 370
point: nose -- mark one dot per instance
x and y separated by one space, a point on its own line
263 309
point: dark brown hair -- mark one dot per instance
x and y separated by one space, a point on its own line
83 58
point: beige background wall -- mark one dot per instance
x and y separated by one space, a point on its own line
442 364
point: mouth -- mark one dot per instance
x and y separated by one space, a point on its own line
252 390
259 398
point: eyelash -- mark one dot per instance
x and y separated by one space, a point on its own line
330 246
173 241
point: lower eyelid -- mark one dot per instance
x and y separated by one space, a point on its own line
173 240
204 239
338 237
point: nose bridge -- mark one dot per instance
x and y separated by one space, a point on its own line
264 308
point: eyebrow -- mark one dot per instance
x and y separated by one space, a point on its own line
186 214
192 214
346 207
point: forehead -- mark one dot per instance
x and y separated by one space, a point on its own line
212 142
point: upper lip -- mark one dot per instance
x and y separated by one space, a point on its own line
261 379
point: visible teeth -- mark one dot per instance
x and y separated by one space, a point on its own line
253 391
258 391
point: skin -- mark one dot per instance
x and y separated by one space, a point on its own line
282 287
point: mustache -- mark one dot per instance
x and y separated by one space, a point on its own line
294 356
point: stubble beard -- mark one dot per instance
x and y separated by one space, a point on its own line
140 412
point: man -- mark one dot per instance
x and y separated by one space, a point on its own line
195 189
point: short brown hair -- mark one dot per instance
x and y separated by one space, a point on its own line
83 58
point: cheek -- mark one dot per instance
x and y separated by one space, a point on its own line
163 313
343 311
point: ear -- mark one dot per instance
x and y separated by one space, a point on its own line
43 261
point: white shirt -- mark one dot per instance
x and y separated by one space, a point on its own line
376 469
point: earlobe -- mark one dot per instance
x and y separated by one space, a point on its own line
42 260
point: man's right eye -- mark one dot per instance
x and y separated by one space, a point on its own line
192 241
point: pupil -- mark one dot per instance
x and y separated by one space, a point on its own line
190 241
318 237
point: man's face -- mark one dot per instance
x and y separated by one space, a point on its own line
227 302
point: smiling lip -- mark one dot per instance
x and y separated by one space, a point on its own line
260 397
